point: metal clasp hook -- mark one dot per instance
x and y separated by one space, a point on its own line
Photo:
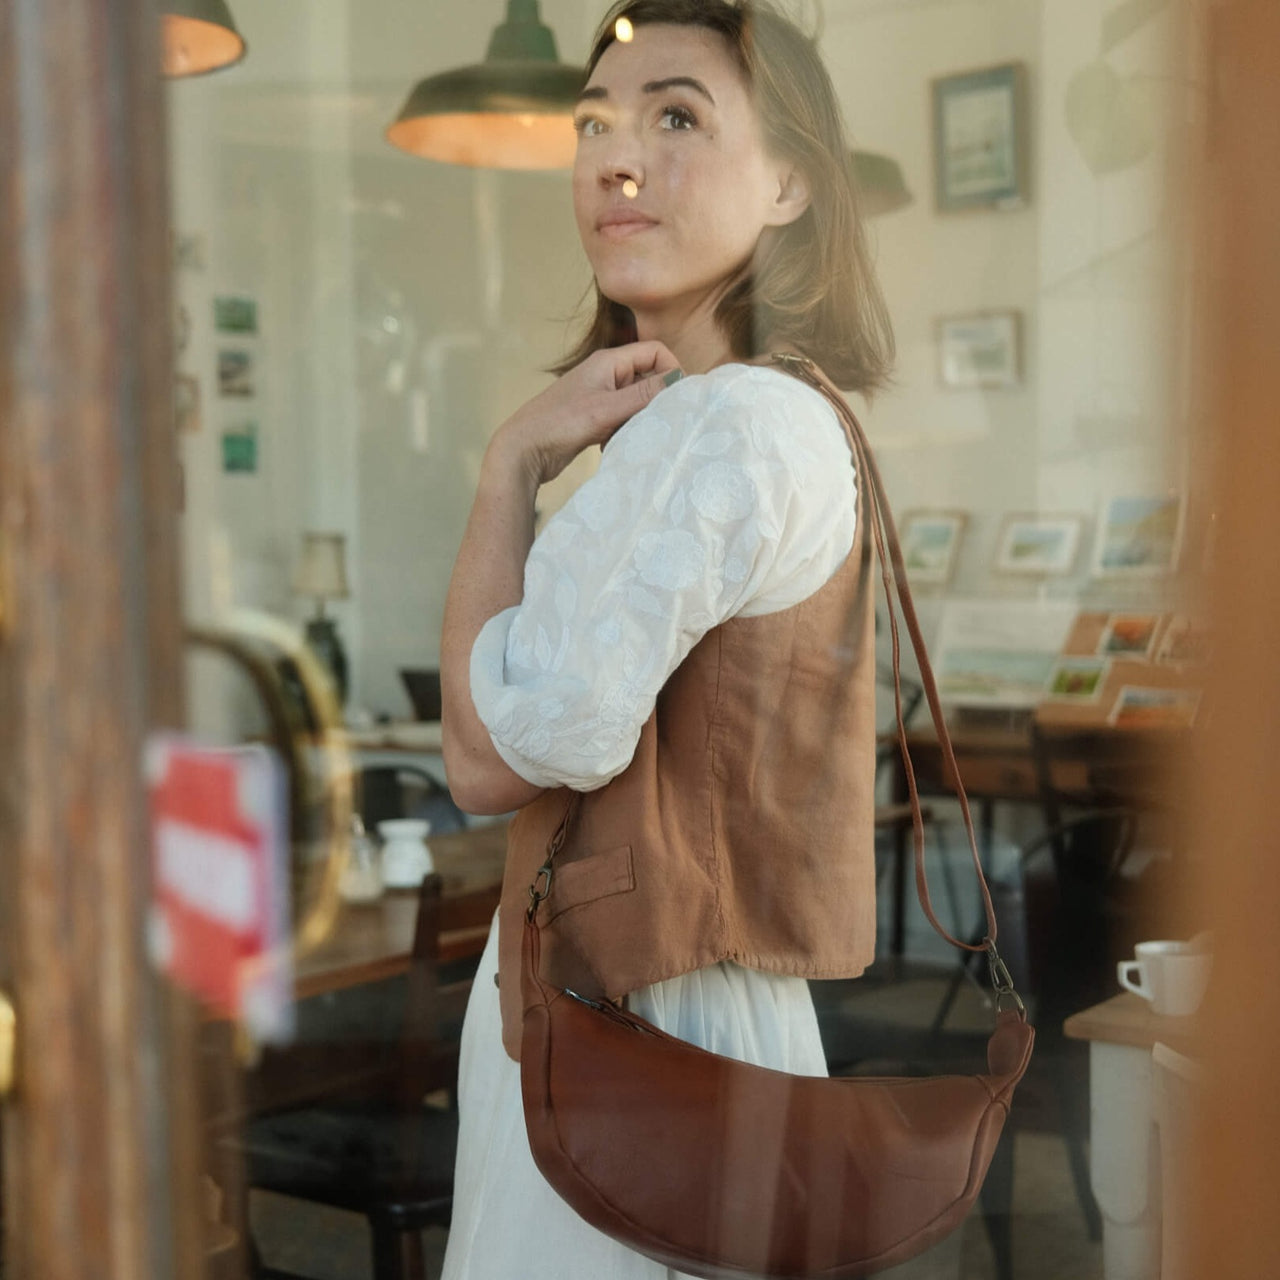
1002 980
540 888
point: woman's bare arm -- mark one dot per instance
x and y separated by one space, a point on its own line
487 578
583 408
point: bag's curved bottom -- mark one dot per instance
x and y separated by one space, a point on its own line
720 1169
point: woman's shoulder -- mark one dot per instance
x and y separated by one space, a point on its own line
762 406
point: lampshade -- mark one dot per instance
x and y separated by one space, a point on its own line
512 111
199 36
322 569
880 182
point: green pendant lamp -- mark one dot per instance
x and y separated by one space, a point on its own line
512 111
199 36
880 183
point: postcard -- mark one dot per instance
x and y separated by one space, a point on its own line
1129 635
1140 708
1078 679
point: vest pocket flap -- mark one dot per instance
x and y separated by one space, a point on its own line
598 875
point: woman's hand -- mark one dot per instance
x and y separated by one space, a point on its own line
536 443
584 407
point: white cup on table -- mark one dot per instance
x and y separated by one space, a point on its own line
1172 975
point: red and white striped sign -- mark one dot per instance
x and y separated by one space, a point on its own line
219 925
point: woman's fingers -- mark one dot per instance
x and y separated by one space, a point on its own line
638 360
629 400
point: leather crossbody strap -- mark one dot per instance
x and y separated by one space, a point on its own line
893 572
894 575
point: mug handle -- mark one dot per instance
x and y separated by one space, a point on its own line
1138 988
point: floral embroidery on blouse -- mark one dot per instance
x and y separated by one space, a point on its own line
730 493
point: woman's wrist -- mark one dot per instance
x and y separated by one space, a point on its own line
509 463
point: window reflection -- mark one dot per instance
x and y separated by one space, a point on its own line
361 320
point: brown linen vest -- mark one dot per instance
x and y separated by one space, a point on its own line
743 827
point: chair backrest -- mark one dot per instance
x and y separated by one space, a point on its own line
438 987
396 1039
406 791
1081 769
1107 795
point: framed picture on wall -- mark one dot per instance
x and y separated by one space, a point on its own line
235 373
930 541
981 349
980 139
1139 536
1035 544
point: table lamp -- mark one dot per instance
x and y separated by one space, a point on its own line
322 574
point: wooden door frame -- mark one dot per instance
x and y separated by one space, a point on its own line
1236 186
101 1163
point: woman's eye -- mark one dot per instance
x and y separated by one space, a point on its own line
588 126
677 118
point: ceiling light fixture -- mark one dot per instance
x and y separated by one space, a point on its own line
198 36
514 110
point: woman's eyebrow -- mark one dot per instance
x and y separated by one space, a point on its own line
597 92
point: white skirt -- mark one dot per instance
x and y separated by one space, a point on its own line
508 1224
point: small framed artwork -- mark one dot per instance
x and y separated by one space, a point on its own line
930 542
980 139
1139 536
235 373
235 315
1129 635
1078 679
1043 545
1139 708
240 449
982 349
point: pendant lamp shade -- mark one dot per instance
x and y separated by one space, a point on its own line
512 111
880 183
198 36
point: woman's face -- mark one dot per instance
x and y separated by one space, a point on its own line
669 111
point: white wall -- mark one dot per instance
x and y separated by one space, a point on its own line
406 307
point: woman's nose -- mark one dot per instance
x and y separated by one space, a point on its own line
623 163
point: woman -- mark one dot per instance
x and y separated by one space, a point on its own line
687 648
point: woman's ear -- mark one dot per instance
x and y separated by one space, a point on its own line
792 197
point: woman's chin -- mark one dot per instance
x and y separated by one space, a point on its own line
639 301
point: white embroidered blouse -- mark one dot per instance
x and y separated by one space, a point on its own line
731 493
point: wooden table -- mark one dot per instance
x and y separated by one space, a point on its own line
1123 1161
372 941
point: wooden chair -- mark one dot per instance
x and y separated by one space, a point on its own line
385 1145
406 791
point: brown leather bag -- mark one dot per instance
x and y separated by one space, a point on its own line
719 1168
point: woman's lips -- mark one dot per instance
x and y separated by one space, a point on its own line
616 226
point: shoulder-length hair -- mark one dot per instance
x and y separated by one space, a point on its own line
814 284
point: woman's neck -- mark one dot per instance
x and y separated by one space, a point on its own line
700 348
696 341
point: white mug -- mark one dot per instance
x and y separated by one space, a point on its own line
1172 975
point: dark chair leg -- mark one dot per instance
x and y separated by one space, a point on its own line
997 1204
397 1255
